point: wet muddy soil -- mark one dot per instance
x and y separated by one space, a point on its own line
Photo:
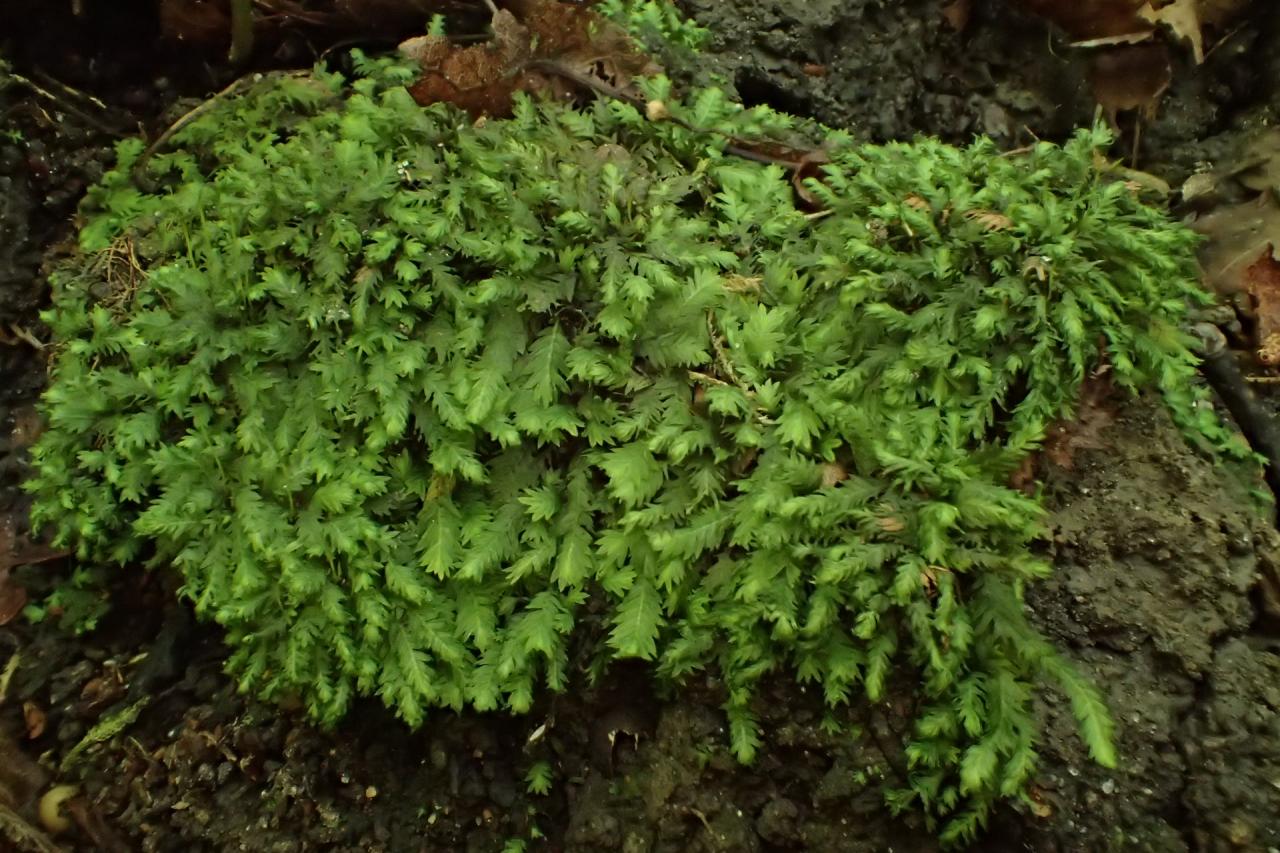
1158 550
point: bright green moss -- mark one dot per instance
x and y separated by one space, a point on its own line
412 405
655 19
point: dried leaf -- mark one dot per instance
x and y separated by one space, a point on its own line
16 551
833 473
1132 77
1262 282
809 165
989 219
1093 19
1094 414
656 111
34 718
1039 807
1269 351
735 283
1237 234
480 78
956 13
548 49
195 23
1258 168
1024 478
891 524
1036 265
12 598
1182 19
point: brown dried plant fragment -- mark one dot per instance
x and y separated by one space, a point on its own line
1262 283
542 47
1131 77
1095 21
832 474
989 219
1093 415
1182 19
891 524
1238 234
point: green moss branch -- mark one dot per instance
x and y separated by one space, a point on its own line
402 397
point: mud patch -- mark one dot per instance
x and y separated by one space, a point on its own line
1156 549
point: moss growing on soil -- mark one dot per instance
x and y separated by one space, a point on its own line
424 409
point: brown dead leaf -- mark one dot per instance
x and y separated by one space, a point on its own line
1131 77
34 718
989 219
1024 478
1094 413
480 78
21 778
12 598
1039 807
199 24
809 165
95 827
891 524
552 47
833 473
656 111
1237 234
735 283
1182 19
1092 20
1262 282
1135 180
15 550
1258 167
929 579
1036 266
957 13
1269 351
101 691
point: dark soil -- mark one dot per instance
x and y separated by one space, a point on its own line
1158 550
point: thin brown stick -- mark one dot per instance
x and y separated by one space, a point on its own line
200 109
241 32
737 146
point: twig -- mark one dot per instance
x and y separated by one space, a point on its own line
722 357
15 828
21 334
1257 424
241 32
199 110
64 104
737 146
